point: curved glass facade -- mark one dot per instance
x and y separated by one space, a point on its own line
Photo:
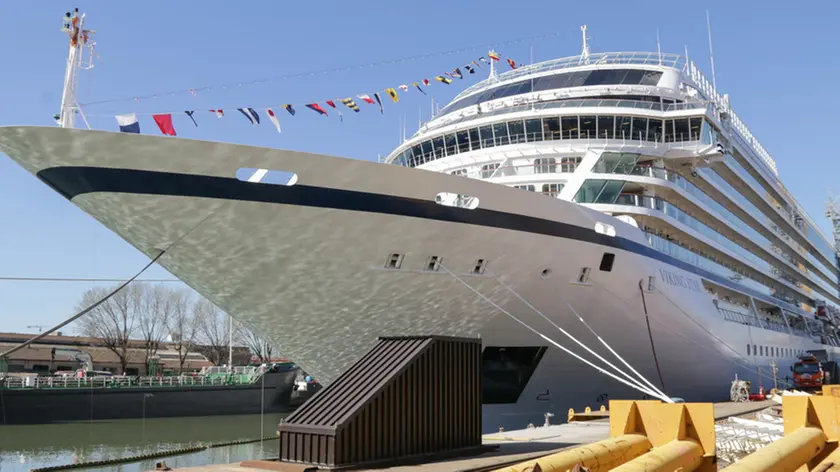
582 78
551 128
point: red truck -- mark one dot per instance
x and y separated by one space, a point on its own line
808 373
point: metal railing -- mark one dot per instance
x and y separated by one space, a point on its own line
605 58
125 382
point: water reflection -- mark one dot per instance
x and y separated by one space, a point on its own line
27 447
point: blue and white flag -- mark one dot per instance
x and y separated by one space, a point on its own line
128 123
251 114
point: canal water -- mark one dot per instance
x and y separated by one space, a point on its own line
27 447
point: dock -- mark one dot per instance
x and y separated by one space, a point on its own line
508 448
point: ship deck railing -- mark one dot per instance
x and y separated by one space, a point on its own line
30 382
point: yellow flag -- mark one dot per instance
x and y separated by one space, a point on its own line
393 94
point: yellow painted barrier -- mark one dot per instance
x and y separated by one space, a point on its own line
830 463
788 453
644 436
599 456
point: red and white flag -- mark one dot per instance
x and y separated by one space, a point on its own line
425 81
273 118
367 99
219 113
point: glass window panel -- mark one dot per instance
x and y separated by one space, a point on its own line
570 127
474 141
615 76
695 125
626 163
633 77
417 155
654 130
543 83
587 127
488 170
500 131
623 126
451 144
606 127
438 144
427 151
610 191
533 130
597 77
569 164
560 81
486 136
552 190
463 141
639 129
681 129
516 131
650 78
669 131
607 162
551 128
589 190
576 79
545 165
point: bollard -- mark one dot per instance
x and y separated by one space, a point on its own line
787 453
598 456
644 436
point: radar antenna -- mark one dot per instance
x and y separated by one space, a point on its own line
584 53
832 212
81 40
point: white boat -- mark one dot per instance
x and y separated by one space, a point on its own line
614 196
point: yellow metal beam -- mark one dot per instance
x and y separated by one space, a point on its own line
683 455
788 453
601 456
830 464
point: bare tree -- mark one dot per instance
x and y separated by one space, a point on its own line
114 321
214 326
259 346
182 325
156 302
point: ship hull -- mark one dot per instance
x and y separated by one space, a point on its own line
307 265
60 405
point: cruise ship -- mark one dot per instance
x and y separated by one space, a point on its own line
605 223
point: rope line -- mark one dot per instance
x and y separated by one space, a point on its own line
553 342
78 279
319 71
532 307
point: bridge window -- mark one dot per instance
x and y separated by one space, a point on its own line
475 143
554 128
623 127
439 149
463 141
459 172
451 144
486 136
551 128
516 131
533 130
545 165
588 127
501 134
606 126
570 127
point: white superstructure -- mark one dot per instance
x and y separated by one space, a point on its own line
612 197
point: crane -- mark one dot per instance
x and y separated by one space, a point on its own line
832 212
40 327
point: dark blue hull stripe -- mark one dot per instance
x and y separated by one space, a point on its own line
73 181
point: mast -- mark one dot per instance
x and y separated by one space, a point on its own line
584 53
79 38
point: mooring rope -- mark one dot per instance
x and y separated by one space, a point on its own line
532 307
555 343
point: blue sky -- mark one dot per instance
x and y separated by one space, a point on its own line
777 64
